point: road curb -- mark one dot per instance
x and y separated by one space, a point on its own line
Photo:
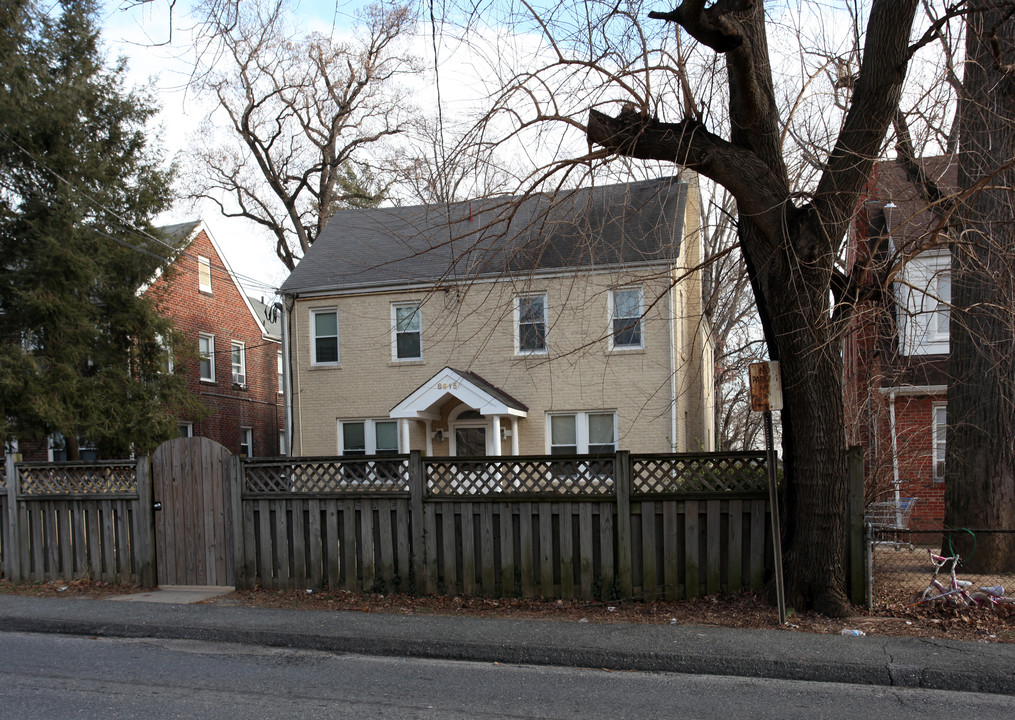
979 679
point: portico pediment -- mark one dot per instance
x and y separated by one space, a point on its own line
466 387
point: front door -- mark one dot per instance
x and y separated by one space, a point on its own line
470 441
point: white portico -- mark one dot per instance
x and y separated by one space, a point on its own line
479 415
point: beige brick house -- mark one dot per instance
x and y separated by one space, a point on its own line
521 325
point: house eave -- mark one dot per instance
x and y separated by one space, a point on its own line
437 282
914 390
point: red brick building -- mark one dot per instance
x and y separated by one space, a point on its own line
896 351
235 369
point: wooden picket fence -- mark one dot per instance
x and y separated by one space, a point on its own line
596 527
63 521
652 526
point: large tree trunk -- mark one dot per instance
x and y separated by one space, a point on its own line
980 449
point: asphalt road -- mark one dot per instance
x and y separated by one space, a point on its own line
55 676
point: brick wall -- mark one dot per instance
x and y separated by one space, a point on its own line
224 314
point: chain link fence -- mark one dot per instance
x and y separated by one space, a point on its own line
913 567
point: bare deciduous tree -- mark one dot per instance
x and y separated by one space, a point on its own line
308 116
790 243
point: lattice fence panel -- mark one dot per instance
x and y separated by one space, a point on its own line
322 476
698 473
77 479
560 476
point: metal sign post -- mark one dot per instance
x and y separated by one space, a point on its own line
766 396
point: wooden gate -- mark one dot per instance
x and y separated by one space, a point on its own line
193 530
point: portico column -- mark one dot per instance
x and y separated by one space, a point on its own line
429 438
496 435
514 434
403 425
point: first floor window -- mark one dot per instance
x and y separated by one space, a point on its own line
281 442
238 354
408 330
246 441
185 429
206 353
940 430
369 437
324 325
530 311
626 315
582 432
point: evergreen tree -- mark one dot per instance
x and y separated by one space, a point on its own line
81 352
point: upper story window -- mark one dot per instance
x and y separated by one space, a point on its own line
923 294
582 432
281 375
324 337
943 286
530 324
626 317
238 355
940 430
203 274
206 354
166 363
407 323
368 437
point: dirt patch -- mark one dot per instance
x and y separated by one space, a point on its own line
83 588
744 610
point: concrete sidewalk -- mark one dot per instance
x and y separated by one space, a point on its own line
909 662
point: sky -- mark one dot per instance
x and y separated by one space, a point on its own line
158 48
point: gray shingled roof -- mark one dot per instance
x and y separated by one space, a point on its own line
271 319
911 219
611 225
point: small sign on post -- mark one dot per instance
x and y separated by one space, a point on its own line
766 386
766 396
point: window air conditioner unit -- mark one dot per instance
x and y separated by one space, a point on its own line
239 379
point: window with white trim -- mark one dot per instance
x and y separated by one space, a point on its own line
940 430
530 324
246 441
582 432
281 442
281 375
166 364
203 274
324 337
238 357
626 318
940 323
185 429
206 355
368 437
406 323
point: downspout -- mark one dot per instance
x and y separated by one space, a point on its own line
291 357
671 322
895 459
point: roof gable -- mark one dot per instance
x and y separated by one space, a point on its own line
611 225
182 236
